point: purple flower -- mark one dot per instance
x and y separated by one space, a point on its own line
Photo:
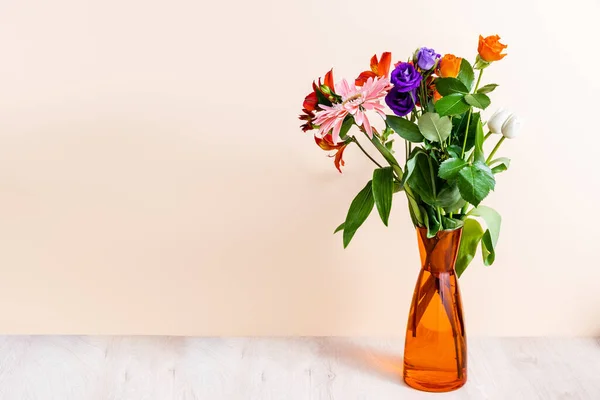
426 58
401 103
405 77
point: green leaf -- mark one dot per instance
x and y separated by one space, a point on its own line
501 164
447 86
466 74
423 177
339 228
475 182
410 164
453 104
478 100
451 167
435 128
456 207
471 235
383 190
431 221
452 223
487 88
447 196
478 152
493 221
359 210
386 153
454 150
346 125
459 131
403 127
322 99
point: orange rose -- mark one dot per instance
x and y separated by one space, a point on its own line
490 48
449 66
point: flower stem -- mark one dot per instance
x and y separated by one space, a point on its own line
365 152
478 80
469 119
495 149
462 154
487 136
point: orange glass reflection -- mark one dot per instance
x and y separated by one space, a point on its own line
435 353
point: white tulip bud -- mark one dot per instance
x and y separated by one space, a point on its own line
511 127
497 120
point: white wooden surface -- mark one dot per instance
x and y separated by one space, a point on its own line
163 368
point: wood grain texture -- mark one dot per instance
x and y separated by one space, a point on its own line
131 368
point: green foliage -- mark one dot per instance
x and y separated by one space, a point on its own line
475 182
423 177
499 164
460 126
385 152
471 235
478 152
453 104
448 86
383 190
493 220
447 196
359 210
487 88
435 128
466 74
346 125
451 167
339 228
478 100
432 223
452 223
404 128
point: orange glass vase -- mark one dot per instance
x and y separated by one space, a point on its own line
435 353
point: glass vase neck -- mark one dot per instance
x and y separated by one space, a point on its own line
438 253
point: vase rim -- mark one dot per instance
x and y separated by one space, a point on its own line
423 228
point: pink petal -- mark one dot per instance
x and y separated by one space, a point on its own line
336 131
368 129
359 117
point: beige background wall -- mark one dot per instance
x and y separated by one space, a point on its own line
153 179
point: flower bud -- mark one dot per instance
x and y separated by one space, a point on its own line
325 90
511 127
497 119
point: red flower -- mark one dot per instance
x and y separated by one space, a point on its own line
379 68
326 143
311 101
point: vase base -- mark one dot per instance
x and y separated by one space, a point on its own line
434 381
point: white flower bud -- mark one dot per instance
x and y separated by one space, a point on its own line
497 120
511 127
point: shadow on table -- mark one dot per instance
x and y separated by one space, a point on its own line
366 359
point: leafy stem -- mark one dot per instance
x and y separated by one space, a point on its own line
495 149
462 154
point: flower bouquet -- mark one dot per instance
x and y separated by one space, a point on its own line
436 105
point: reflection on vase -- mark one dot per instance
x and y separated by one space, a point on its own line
435 353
